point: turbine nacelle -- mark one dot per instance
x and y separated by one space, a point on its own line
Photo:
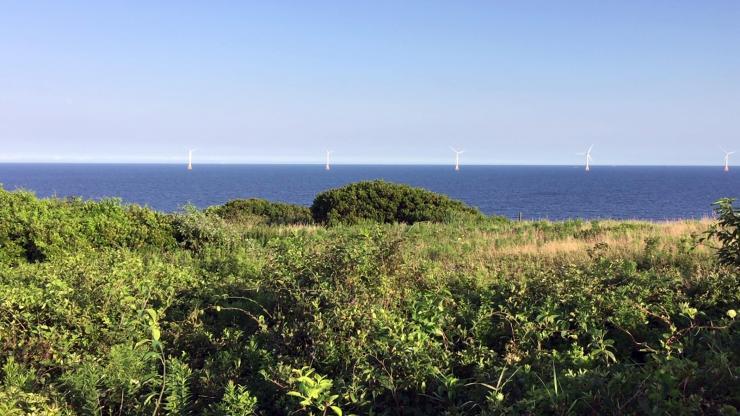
457 151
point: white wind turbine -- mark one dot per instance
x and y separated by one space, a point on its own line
727 160
190 159
457 157
328 155
588 157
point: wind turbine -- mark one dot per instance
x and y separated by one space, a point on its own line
457 157
727 160
328 154
190 159
588 157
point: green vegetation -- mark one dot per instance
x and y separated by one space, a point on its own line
107 309
385 202
262 211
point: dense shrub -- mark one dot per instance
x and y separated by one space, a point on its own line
34 229
195 230
122 310
271 213
385 202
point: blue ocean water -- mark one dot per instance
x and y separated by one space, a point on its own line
553 192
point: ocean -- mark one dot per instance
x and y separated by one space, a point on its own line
537 192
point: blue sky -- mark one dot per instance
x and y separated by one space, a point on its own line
646 82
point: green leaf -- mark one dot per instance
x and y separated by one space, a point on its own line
152 314
155 332
336 410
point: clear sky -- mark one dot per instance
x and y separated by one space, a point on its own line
511 82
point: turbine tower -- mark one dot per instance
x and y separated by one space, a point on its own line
727 160
190 159
588 157
457 157
328 161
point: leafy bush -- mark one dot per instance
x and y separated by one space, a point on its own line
237 401
196 230
385 202
727 231
35 229
271 213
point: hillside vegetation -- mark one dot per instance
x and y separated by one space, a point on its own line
385 300
244 211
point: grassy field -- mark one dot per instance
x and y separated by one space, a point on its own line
118 310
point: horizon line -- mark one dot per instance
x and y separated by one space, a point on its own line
59 162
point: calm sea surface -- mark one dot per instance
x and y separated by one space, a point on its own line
554 192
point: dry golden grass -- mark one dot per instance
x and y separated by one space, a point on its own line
553 241
666 234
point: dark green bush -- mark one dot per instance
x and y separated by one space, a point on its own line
271 213
385 202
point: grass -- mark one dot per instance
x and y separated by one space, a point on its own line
556 241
